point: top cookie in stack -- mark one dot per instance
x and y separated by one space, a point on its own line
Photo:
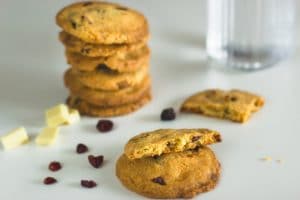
106 46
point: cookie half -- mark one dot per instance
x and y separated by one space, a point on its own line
103 23
168 140
106 98
110 80
235 105
74 44
173 175
122 62
107 111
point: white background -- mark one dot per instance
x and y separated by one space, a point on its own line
31 67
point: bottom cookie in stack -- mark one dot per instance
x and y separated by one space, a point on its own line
88 109
106 103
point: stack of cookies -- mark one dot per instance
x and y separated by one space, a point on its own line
170 163
106 47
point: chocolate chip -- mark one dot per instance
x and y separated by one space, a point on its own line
156 157
214 177
159 180
74 25
49 180
168 114
54 166
121 8
226 111
233 98
104 68
81 148
85 50
95 161
218 138
88 183
104 125
195 138
196 149
87 3
84 18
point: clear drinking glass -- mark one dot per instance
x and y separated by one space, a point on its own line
250 34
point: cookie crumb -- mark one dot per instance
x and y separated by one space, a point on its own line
267 158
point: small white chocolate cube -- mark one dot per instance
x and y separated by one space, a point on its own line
74 116
14 138
47 136
57 115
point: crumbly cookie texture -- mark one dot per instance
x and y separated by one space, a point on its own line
74 44
168 140
235 105
107 111
173 175
122 62
103 23
106 98
109 80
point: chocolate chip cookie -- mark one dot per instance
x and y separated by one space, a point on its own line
164 141
106 98
107 111
103 23
76 45
235 105
172 175
122 62
106 79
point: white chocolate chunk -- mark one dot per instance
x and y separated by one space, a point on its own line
57 115
47 136
14 138
74 116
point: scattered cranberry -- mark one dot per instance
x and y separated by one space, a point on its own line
54 166
81 148
49 180
88 183
104 125
95 161
168 114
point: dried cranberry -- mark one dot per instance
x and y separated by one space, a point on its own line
81 148
95 161
168 114
54 166
159 180
121 8
49 180
104 125
88 183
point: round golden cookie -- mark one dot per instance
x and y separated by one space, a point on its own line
103 23
107 111
121 62
107 79
74 44
106 98
173 175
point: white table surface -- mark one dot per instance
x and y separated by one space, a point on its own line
31 67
